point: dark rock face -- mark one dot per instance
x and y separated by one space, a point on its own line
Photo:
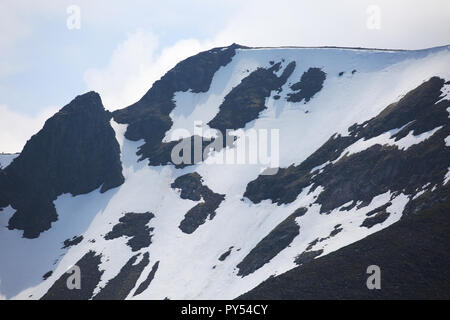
75 152
192 188
310 83
378 210
416 267
72 242
244 103
378 169
225 255
277 240
90 277
47 275
379 217
144 285
190 185
197 216
133 225
161 154
149 119
121 285
310 254
307 256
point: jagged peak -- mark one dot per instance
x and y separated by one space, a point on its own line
84 102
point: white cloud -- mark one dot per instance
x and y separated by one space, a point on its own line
135 65
17 128
404 23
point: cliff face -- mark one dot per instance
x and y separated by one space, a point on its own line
149 118
75 152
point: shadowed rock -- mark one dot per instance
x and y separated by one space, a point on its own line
375 170
75 152
277 240
144 285
121 285
90 277
149 118
134 226
310 83
191 186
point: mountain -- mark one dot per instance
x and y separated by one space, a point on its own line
278 173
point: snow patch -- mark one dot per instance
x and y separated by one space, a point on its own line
447 176
447 141
386 138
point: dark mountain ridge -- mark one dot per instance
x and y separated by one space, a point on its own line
75 152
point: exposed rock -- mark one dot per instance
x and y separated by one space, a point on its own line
277 240
225 255
379 217
337 229
47 275
75 152
307 256
144 285
149 118
198 214
379 209
245 101
90 277
133 225
310 83
192 188
72 242
378 169
121 285
416 267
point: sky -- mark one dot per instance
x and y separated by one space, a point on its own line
52 51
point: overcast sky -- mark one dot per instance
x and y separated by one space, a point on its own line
121 47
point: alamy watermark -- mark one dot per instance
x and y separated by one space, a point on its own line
373 21
238 147
74 280
374 280
73 21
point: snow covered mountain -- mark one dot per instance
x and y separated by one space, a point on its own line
358 145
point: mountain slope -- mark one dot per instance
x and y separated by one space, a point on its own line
363 142
412 256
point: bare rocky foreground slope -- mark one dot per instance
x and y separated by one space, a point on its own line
361 178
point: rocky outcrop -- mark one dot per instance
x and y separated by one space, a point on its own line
310 83
72 242
90 277
149 118
277 240
144 285
192 188
245 102
412 256
75 152
121 285
134 226
380 168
